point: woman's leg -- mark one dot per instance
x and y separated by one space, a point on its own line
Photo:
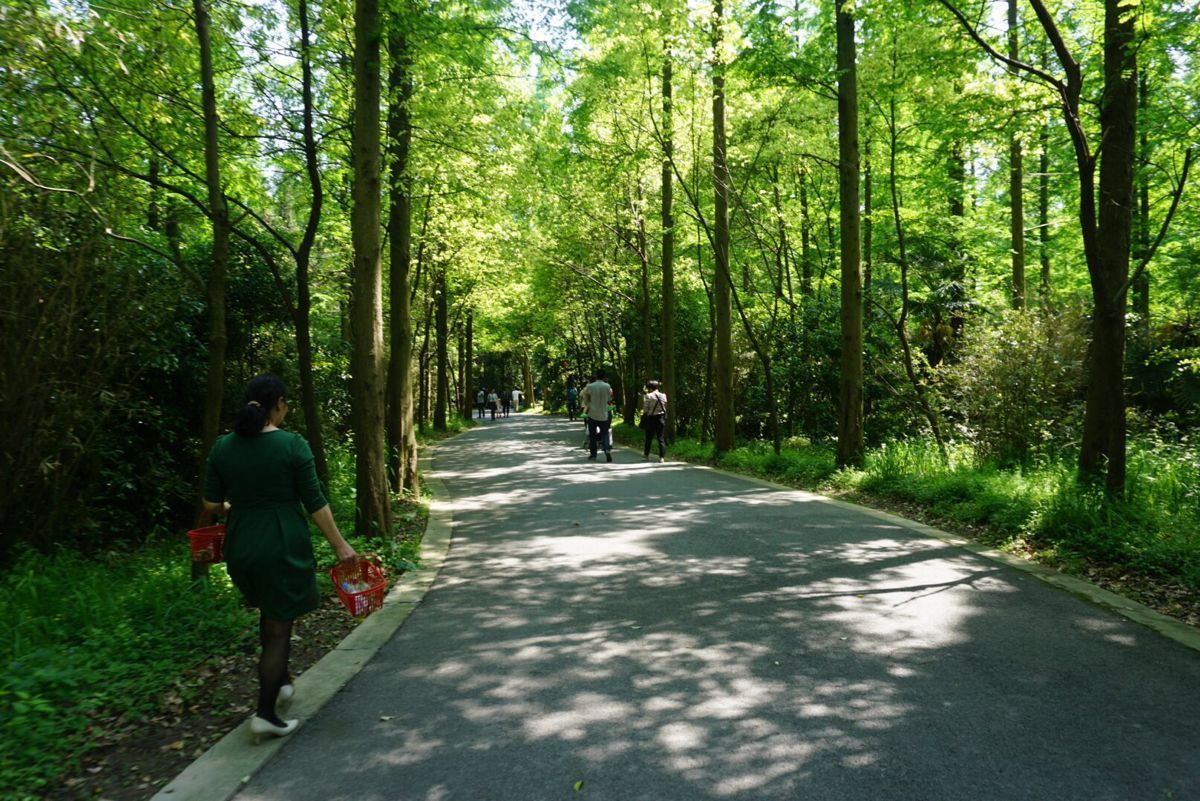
649 437
276 638
660 430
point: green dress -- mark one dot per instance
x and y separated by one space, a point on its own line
268 549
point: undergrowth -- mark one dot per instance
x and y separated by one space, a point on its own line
89 640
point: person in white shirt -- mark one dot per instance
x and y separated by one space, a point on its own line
596 397
516 400
493 401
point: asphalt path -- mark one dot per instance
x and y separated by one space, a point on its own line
670 632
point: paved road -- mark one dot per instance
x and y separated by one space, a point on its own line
671 633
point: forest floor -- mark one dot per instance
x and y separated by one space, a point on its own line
134 759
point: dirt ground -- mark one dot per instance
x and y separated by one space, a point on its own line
138 757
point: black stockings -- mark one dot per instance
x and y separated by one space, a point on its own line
276 639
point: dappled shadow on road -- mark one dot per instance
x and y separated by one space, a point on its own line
662 632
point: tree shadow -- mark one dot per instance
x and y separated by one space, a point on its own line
661 632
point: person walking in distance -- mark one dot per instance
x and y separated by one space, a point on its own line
572 400
654 419
505 402
596 397
493 401
516 400
481 401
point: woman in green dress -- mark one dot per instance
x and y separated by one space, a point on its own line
262 475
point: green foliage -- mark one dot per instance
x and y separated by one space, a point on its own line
1018 385
85 639
94 343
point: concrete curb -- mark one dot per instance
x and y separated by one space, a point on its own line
1182 633
220 772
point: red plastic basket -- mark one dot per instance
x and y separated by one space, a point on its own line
207 542
360 588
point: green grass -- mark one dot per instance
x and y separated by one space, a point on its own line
101 635
89 638
1154 530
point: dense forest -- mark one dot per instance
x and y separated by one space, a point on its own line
941 250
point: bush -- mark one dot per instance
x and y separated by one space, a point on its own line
1018 385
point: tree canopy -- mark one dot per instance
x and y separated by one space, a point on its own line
192 194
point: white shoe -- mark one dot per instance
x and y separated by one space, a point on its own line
260 728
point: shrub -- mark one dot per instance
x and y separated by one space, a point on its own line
1018 385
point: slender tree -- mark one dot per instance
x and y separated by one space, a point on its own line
1016 176
218 212
1105 217
441 344
668 240
469 366
303 257
851 446
1141 248
723 432
402 438
373 513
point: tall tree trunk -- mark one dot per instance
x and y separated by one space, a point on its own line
1108 260
919 390
402 437
372 514
850 448
956 275
468 380
171 231
423 371
218 212
460 392
1016 178
304 349
527 375
1044 194
806 271
442 397
645 364
153 220
1141 287
629 384
723 426
868 223
1044 210
783 252
668 245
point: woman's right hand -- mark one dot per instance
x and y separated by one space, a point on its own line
346 555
